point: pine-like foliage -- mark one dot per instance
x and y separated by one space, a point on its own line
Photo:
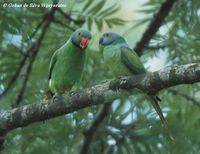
132 125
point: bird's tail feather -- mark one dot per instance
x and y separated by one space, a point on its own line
154 101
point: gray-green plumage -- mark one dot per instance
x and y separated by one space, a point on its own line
68 61
123 61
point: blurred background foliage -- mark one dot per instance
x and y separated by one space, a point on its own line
132 125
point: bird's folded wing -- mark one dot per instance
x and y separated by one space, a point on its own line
131 60
52 64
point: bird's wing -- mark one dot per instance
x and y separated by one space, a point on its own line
131 60
52 64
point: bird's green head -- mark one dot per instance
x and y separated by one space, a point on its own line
81 37
110 38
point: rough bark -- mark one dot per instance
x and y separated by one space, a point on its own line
98 94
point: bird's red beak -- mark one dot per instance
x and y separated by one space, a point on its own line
84 42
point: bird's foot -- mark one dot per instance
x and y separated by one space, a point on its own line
106 80
47 95
119 77
71 92
114 86
57 98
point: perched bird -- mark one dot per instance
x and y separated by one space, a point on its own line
123 61
67 62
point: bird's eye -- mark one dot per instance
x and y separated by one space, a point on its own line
79 33
106 35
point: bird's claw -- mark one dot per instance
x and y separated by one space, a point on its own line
119 77
57 98
71 92
104 81
113 86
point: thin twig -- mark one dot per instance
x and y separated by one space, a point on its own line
15 76
22 62
109 149
90 132
63 24
34 52
78 22
38 26
154 25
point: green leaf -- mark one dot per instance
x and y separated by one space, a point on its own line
89 23
109 24
87 5
143 21
109 11
117 21
99 24
96 8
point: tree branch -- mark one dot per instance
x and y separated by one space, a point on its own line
154 25
63 24
90 132
99 94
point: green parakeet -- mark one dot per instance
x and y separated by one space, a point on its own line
67 62
123 61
